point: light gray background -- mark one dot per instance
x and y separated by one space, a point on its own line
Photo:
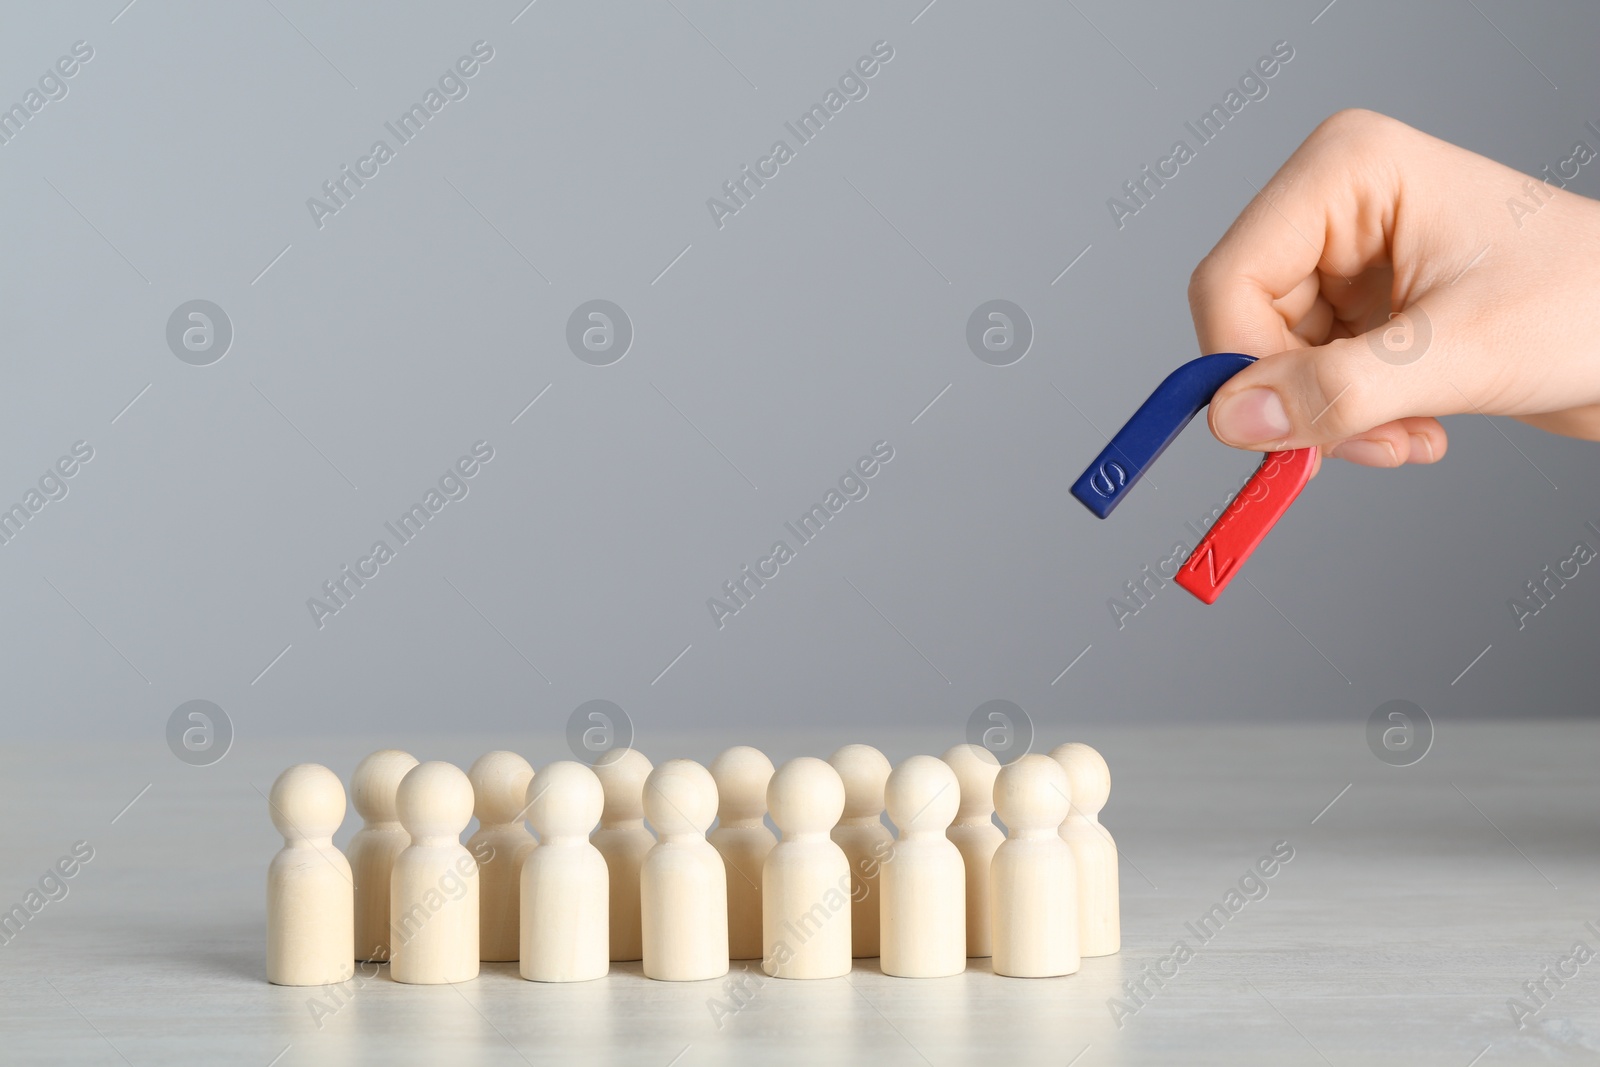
773 353
370 354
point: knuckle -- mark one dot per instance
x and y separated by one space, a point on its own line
1357 125
1350 121
1202 280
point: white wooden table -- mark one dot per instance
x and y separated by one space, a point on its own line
1415 907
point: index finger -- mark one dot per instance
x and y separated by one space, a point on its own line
1302 243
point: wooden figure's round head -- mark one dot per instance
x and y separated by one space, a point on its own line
375 782
806 796
564 800
864 771
680 797
975 768
1087 771
622 772
1032 793
499 787
307 802
741 774
435 800
922 795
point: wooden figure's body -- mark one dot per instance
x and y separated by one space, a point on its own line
310 896
922 886
1093 850
743 840
806 881
1033 883
976 836
623 840
500 793
433 901
863 837
683 889
373 849
564 882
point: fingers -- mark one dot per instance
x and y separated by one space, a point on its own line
1335 395
1307 264
1320 225
1412 440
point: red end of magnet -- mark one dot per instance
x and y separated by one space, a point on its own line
1248 518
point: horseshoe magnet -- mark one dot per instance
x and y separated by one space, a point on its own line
1248 517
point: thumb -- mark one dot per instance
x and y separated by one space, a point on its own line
1345 388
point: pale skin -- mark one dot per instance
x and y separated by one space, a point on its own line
1369 217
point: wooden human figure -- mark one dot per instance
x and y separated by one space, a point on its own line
863 837
500 792
922 886
433 899
1033 883
1093 850
374 847
742 837
565 887
310 897
683 889
806 882
976 836
623 840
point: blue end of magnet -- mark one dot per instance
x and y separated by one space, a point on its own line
1160 419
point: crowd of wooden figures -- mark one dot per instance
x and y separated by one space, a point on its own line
596 885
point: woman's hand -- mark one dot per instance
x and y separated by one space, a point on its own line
1387 278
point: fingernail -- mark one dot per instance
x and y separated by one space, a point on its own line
1367 453
1253 416
1422 445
